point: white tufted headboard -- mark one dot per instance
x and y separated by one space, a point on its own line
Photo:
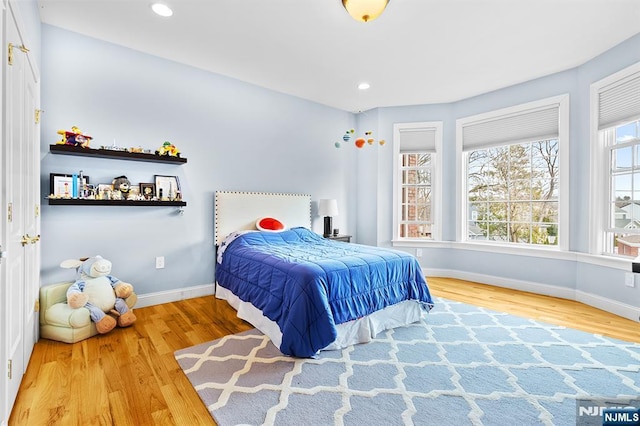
236 210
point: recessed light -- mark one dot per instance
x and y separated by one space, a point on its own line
162 9
363 86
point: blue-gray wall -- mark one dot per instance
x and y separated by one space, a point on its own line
241 137
235 136
574 274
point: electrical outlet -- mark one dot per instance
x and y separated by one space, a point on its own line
419 252
159 262
629 279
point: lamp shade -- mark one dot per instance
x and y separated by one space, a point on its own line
365 10
328 208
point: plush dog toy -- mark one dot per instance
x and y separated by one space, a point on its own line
100 293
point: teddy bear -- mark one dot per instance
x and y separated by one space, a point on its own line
122 184
100 293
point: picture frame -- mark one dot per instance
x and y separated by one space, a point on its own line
61 185
148 190
167 188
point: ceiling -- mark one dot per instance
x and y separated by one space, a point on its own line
417 52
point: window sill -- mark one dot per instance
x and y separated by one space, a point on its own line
541 252
421 243
518 250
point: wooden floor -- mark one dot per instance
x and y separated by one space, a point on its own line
130 377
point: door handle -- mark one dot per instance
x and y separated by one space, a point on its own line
27 239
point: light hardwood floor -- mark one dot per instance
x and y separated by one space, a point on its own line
130 377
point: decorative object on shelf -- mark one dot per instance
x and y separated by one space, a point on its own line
359 141
168 149
74 137
336 231
328 208
167 188
66 185
365 10
148 191
122 185
100 293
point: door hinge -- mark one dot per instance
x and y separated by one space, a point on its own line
37 116
36 307
9 375
10 212
37 210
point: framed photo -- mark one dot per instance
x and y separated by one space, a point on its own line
148 190
103 191
61 185
167 188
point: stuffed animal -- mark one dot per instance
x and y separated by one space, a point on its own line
168 149
100 293
122 184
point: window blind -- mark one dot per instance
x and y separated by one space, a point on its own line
619 102
527 125
417 140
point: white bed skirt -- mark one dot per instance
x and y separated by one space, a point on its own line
357 331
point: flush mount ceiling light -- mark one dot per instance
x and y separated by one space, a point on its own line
162 9
365 10
363 86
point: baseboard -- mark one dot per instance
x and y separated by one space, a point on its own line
150 299
613 306
617 308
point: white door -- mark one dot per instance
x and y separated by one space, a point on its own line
20 228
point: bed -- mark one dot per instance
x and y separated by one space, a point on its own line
305 292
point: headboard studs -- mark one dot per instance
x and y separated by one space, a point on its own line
239 210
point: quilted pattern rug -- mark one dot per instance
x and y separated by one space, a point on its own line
462 365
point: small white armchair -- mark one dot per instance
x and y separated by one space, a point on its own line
60 322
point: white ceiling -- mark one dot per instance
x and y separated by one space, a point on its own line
417 52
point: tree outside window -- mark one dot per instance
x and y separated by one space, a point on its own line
513 193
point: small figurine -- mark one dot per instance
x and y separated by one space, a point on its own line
168 149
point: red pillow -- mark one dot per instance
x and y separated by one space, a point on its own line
270 224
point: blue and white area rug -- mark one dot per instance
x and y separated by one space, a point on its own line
463 365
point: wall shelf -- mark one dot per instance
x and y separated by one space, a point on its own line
108 153
90 202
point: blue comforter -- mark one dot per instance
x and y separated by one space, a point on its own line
308 284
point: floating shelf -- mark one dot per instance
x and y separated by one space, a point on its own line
89 202
108 153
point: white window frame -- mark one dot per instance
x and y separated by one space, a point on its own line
600 163
462 204
436 181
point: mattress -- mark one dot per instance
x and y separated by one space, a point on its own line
309 285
